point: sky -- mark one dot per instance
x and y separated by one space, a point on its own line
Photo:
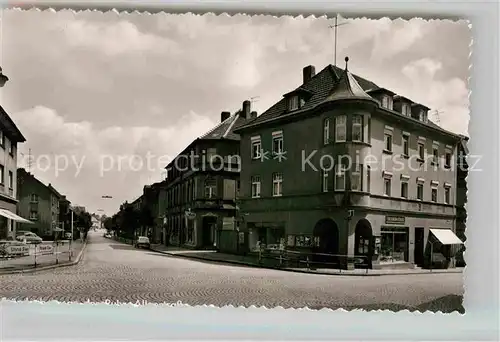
97 94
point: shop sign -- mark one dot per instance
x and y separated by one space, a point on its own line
394 219
44 249
17 250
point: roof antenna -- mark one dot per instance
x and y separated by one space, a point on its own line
334 26
436 116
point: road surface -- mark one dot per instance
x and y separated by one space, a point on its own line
120 274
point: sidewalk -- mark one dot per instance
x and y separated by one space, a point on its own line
27 263
252 261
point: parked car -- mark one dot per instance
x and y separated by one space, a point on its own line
142 242
29 237
67 235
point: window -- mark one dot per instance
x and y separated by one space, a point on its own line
406 145
11 148
340 128
405 109
33 215
357 128
421 151
326 132
435 155
211 153
277 143
11 180
368 177
255 186
388 142
404 188
325 181
34 198
422 116
434 194
447 160
387 186
277 184
210 188
356 181
447 195
339 177
2 174
293 103
385 102
256 148
2 139
420 192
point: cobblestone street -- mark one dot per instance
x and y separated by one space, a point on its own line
120 273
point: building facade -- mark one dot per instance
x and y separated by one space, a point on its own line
349 172
202 185
10 136
39 202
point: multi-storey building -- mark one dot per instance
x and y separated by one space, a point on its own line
10 136
65 214
343 167
39 202
154 229
462 172
202 184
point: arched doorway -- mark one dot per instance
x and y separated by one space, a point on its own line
363 243
327 232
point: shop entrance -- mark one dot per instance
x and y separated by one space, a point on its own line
208 231
363 246
327 232
419 246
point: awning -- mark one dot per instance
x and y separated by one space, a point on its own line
446 236
10 215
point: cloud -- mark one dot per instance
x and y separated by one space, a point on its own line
115 39
107 156
127 84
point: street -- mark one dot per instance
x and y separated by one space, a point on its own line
120 273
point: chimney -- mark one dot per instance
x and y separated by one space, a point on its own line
253 114
307 73
224 116
245 111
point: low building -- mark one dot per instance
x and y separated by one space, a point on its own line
201 187
10 136
350 173
39 202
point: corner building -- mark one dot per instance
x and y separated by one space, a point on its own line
350 174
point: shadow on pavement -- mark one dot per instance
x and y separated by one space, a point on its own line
203 261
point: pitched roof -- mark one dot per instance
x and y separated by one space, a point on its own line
224 130
320 86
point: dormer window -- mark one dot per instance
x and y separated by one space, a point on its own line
405 109
422 116
387 102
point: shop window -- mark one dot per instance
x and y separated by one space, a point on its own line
394 246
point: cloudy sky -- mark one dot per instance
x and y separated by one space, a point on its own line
87 88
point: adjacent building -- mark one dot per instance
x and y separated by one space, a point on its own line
10 136
39 202
202 185
462 172
349 172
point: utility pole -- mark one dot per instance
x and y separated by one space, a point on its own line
334 27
